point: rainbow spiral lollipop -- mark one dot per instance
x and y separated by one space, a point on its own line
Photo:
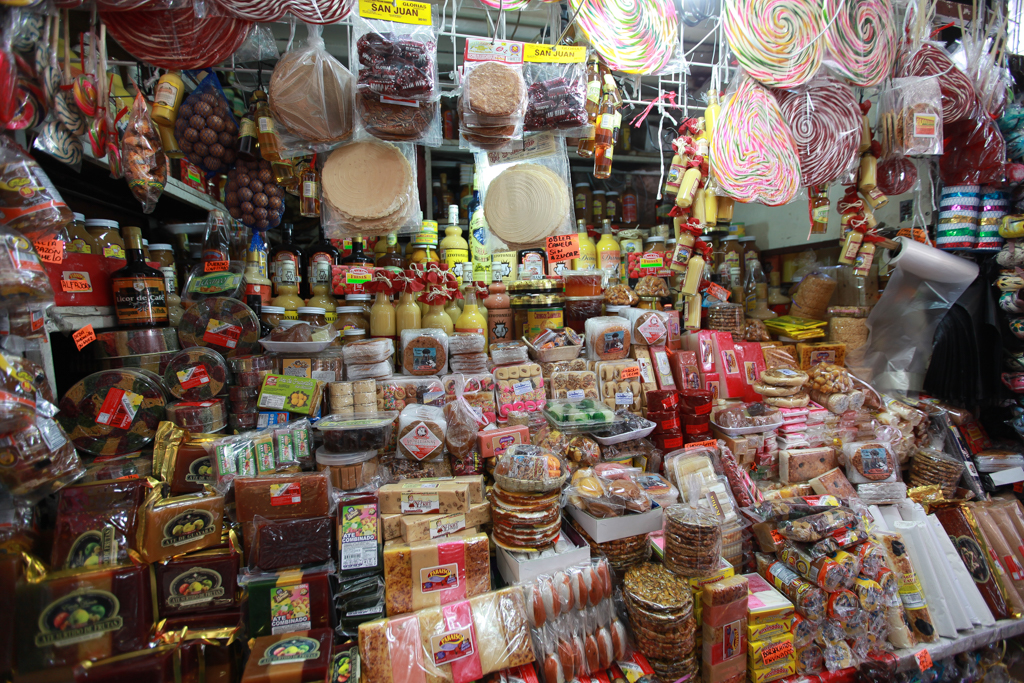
753 154
507 5
634 36
862 37
826 123
775 41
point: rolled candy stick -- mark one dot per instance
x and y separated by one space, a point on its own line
775 41
862 39
957 92
753 155
826 122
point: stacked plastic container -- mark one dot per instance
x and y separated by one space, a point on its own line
958 217
994 205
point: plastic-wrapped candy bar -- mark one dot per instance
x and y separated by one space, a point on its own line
819 526
78 615
557 103
96 524
225 325
810 601
395 65
196 374
823 572
298 656
281 496
177 525
289 602
196 583
113 411
290 543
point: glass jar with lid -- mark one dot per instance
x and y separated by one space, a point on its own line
579 308
353 334
106 236
164 255
536 312
360 300
272 315
79 241
655 243
583 282
314 315
351 318
630 242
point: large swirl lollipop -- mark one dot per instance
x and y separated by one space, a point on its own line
957 92
826 122
862 37
776 41
753 154
635 36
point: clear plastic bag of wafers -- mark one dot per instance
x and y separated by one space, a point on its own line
492 95
397 89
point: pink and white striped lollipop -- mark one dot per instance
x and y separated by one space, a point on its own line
634 36
862 39
826 123
753 155
775 41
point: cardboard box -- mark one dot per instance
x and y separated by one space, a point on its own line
728 366
769 630
780 669
765 653
428 527
702 343
515 569
614 528
765 604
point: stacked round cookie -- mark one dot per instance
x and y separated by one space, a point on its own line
524 521
370 186
492 105
783 387
660 609
693 540
622 553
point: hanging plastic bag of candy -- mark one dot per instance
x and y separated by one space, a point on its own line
29 203
556 88
145 166
205 129
397 90
910 120
975 153
9 105
310 97
252 196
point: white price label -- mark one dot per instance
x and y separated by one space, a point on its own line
624 398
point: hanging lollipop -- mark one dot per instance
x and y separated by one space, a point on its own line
83 86
635 36
64 105
29 94
46 61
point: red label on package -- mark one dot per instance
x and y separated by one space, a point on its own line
710 443
216 266
119 408
84 336
222 334
718 291
190 378
285 494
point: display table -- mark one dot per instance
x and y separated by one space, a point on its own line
968 640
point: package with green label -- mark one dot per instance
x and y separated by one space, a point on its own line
294 394
360 536
177 525
197 582
290 658
288 601
76 615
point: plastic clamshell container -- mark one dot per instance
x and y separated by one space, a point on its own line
298 347
372 431
349 471
579 415
621 438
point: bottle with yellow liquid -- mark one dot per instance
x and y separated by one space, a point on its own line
471 320
437 317
588 250
609 258
454 249
407 313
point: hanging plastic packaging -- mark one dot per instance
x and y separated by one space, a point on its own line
145 166
29 203
206 130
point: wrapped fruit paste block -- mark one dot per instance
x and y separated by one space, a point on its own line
424 498
289 601
113 411
360 537
432 573
195 583
360 432
133 342
294 394
196 374
454 643
191 467
96 524
961 525
72 616
290 543
180 524
207 416
225 325
22 383
162 664
38 459
281 496
299 657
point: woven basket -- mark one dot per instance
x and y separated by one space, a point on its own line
529 485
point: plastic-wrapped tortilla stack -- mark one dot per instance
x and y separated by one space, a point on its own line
369 185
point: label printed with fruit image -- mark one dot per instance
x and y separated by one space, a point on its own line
187 527
195 587
291 651
78 617
94 548
200 471
290 609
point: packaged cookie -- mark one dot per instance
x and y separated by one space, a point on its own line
574 385
870 462
461 435
693 534
834 483
510 352
621 384
527 468
931 466
519 387
368 351
395 393
421 432
608 338
424 352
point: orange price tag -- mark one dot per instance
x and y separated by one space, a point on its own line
84 336
710 443
563 247
630 372
718 291
50 251
924 660
216 266
75 286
